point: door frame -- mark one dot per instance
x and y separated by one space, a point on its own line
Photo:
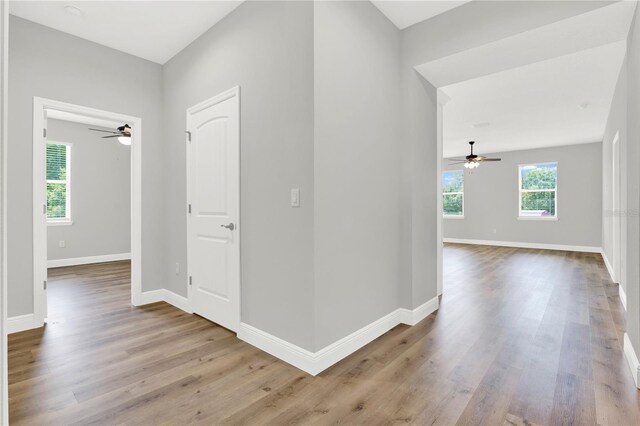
4 121
615 207
40 107
228 94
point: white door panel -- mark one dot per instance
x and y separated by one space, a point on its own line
213 190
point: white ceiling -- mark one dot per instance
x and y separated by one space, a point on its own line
153 30
406 13
534 106
595 28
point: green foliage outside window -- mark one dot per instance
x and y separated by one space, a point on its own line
453 193
57 181
538 190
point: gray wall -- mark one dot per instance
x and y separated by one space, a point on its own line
100 194
357 167
617 122
491 199
632 157
267 49
55 65
418 190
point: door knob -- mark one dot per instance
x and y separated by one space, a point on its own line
230 226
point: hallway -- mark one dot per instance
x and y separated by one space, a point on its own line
522 337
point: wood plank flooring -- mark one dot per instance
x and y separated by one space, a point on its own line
522 337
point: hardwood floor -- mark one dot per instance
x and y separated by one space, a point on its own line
522 337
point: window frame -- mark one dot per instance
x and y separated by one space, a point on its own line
453 216
67 182
520 191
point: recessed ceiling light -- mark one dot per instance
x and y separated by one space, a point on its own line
479 125
72 10
583 105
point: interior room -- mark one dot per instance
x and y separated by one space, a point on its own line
356 212
88 174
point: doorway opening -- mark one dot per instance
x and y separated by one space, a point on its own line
87 195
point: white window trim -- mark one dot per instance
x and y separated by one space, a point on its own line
453 216
520 191
67 220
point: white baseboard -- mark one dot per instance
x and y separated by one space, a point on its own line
609 266
21 323
152 296
561 247
623 296
316 362
164 295
178 301
621 293
412 317
632 360
74 261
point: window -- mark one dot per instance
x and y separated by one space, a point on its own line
538 191
58 187
453 194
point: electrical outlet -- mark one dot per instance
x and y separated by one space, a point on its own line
61 244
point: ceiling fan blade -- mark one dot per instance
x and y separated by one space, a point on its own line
105 131
457 159
491 159
112 136
457 162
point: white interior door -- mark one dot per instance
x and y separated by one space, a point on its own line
213 175
616 218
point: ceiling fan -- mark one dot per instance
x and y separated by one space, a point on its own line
471 161
123 134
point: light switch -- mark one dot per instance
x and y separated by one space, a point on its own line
61 244
295 197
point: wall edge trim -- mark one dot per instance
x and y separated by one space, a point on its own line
316 362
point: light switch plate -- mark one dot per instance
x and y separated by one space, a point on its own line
295 197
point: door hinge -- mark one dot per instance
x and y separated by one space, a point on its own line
45 284
189 208
44 132
188 135
190 280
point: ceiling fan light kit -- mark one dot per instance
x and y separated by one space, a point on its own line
471 161
123 134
